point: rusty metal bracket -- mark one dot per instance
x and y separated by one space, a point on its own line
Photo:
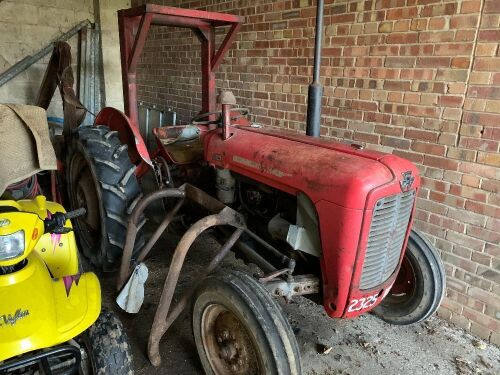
301 285
221 215
163 320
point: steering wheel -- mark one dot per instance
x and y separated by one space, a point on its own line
198 119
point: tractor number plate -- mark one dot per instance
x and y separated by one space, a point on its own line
362 303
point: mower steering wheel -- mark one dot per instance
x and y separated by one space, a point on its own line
198 119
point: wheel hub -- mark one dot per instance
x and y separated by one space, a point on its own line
85 196
405 281
227 343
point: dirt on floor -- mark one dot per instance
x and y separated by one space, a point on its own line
365 345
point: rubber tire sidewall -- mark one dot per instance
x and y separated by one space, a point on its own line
429 285
263 318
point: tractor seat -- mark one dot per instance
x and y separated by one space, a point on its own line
183 144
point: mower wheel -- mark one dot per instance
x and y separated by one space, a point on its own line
419 287
101 179
240 329
107 350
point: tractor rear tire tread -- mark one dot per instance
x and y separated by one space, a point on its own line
118 187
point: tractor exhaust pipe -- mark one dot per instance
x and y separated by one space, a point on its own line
315 89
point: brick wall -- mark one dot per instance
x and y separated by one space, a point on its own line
417 78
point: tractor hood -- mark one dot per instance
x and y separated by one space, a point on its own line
323 169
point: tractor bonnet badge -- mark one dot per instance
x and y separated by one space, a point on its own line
4 222
407 181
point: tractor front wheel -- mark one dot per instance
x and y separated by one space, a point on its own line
101 178
419 286
239 328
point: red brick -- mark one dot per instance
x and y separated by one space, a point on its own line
395 142
464 22
462 263
465 240
437 36
437 23
429 148
450 101
439 10
470 6
491 185
478 144
485 235
490 64
402 38
443 163
465 35
485 92
467 217
489 35
411 156
468 192
422 135
491 6
461 154
433 62
471 181
489 158
400 13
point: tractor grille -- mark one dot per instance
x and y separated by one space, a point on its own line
385 240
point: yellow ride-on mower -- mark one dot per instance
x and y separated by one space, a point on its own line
50 313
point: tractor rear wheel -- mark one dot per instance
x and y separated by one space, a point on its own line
101 179
419 286
240 329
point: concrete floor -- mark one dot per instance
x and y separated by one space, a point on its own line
360 346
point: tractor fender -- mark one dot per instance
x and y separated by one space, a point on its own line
128 133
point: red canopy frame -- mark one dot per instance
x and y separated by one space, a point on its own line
134 24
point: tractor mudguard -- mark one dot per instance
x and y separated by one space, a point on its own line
129 134
37 311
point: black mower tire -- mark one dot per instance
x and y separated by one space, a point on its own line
116 187
108 347
266 326
430 284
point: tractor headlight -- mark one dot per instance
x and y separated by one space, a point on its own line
12 245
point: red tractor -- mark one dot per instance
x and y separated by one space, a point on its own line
324 219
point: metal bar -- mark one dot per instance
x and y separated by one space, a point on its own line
163 20
283 258
315 91
181 305
253 257
125 26
159 231
132 229
25 63
207 76
225 45
226 217
212 17
140 39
